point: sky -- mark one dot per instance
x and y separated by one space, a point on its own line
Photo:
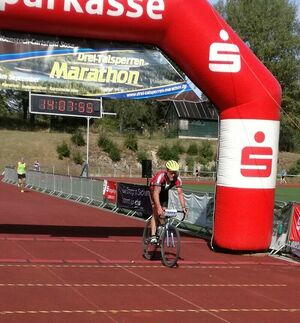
297 2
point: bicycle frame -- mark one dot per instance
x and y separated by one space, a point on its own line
168 238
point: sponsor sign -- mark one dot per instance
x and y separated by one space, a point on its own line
110 191
295 225
134 197
76 67
154 9
248 153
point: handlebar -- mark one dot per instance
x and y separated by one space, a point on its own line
170 213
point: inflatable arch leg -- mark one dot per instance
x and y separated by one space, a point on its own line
247 95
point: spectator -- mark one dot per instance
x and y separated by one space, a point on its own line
21 171
197 174
36 166
283 176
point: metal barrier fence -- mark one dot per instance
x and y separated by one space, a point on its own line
70 187
90 191
201 205
286 230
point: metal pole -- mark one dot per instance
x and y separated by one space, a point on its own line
87 139
87 145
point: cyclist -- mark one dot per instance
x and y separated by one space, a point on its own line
160 185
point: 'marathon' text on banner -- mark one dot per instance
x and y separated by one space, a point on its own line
77 67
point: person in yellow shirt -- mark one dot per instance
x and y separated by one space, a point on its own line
21 172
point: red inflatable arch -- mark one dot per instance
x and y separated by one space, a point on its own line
248 97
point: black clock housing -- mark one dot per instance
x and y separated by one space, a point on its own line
65 106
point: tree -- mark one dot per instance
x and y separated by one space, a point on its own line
135 115
16 101
272 30
3 110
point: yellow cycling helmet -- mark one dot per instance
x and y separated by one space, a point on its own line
172 165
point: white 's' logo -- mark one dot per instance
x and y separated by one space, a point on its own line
257 161
224 57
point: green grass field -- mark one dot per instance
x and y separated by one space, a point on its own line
287 194
284 194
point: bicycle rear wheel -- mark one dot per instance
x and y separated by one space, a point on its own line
149 249
170 246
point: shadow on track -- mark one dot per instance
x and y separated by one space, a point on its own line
70 231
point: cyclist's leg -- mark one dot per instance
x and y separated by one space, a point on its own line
156 219
148 249
164 204
163 199
154 222
153 238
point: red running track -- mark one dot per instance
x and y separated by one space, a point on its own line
65 262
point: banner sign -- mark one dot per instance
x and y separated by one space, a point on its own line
134 197
110 191
295 224
86 68
201 208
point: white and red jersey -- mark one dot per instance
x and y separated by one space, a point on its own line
162 180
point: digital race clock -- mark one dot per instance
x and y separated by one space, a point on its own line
65 106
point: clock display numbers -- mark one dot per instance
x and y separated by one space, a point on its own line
65 106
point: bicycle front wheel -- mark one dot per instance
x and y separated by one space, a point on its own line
170 246
149 249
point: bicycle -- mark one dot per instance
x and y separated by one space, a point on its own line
168 239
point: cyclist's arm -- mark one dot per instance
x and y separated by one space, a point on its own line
156 200
182 200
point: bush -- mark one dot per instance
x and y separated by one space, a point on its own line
190 163
114 154
178 148
165 153
206 153
193 149
63 150
77 138
77 158
295 169
287 137
205 172
142 155
104 143
131 142
109 147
